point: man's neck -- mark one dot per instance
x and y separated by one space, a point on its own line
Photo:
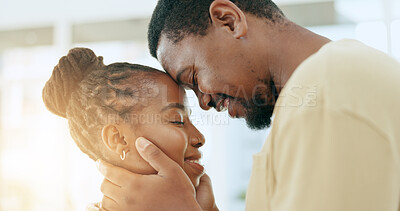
292 45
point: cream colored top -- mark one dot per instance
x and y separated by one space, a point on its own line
335 139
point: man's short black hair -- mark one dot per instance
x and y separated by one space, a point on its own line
177 18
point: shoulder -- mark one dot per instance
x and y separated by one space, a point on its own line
357 75
346 68
345 76
348 58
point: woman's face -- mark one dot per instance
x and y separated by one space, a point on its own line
164 120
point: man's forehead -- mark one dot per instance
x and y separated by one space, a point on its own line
172 56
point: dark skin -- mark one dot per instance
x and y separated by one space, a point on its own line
180 143
236 54
239 53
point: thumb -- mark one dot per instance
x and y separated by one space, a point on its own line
205 185
154 156
204 194
205 179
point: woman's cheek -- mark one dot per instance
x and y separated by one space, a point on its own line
171 140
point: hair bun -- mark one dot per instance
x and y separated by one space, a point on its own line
66 76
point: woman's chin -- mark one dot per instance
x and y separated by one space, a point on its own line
194 174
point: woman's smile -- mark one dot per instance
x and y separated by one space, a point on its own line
194 165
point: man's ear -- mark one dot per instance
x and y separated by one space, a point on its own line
226 14
113 138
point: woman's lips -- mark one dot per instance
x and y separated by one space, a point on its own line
195 164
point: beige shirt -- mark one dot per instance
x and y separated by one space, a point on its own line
335 139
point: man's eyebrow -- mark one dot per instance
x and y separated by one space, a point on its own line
173 105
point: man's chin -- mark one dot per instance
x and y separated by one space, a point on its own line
258 125
259 118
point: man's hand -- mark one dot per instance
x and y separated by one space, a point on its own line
205 195
170 189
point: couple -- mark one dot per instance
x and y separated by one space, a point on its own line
334 142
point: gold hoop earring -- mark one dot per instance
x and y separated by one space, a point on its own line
123 155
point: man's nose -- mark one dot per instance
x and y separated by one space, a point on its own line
204 99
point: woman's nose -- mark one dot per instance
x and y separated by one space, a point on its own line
197 140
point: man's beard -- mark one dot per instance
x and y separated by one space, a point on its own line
260 108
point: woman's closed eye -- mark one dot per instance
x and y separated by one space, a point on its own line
177 122
175 117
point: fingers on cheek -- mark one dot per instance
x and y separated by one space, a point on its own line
133 191
110 190
116 198
109 204
134 186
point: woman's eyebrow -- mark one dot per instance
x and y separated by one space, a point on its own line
174 105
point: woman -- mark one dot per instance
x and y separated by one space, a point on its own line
109 106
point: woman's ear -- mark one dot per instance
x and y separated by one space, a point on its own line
113 139
226 14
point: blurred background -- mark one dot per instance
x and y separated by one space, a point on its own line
40 166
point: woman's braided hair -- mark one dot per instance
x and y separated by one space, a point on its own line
90 94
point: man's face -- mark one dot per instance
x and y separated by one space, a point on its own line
224 73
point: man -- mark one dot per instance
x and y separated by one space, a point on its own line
335 139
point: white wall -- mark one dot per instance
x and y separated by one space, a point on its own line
30 13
